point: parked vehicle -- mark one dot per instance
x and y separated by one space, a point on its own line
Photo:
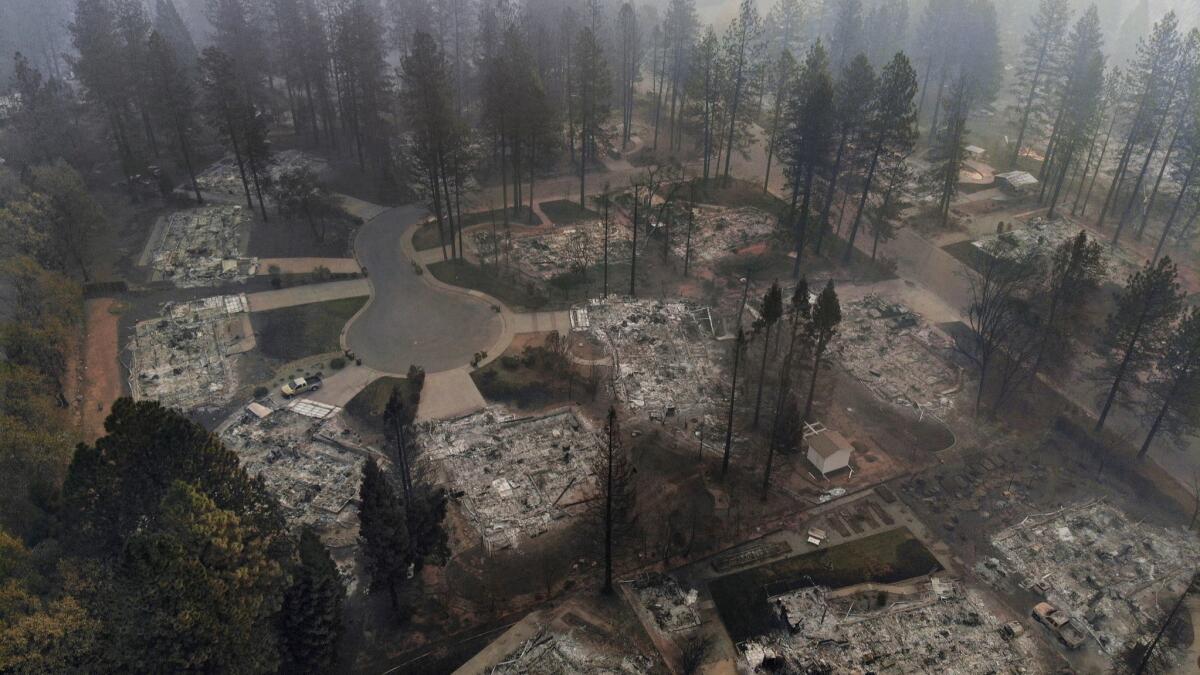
1059 622
301 385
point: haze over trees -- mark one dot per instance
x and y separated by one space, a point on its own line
145 545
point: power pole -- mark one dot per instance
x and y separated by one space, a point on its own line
608 505
737 358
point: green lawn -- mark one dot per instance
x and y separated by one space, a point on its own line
426 236
564 212
516 294
737 194
518 385
887 557
968 254
296 332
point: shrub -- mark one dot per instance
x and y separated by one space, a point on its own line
261 391
337 363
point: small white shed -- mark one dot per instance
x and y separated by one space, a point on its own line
1018 182
829 451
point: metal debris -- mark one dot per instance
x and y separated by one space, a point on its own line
667 359
884 628
1090 560
202 247
673 608
899 357
514 477
314 468
224 178
185 358
721 231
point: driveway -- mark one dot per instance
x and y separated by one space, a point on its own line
305 295
409 320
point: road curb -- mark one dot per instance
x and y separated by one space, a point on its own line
506 330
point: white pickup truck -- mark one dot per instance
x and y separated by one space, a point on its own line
301 385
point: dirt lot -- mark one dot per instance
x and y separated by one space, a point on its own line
102 373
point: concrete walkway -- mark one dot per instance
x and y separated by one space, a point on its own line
308 294
542 322
306 265
343 385
357 207
449 394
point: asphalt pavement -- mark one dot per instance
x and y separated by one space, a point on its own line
408 320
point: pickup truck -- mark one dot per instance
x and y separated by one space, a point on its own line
301 385
1059 622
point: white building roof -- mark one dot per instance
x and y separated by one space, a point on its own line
1018 178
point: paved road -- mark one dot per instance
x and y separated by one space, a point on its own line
409 321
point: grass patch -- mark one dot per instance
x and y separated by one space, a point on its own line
737 194
293 333
887 557
968 254
759 267
516 216
529 378
516 294
426 236
367 405
565 212
522 387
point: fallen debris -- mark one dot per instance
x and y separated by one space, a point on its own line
514 477
667 359
923 626
673 608
314 468
1095 565
555 253
899 357
185 358
224 178
554 652
720 232
1040 237
202 247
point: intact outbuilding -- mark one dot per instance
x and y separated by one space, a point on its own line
829 451
1017 182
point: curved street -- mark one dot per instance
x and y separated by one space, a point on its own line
408 320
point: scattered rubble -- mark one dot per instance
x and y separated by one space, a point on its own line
721 231
667 360
514 476
899 357
925 626
557 252
202 247
1040 237
1089 560
313 466
673 608
224 178
184 358
555 652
